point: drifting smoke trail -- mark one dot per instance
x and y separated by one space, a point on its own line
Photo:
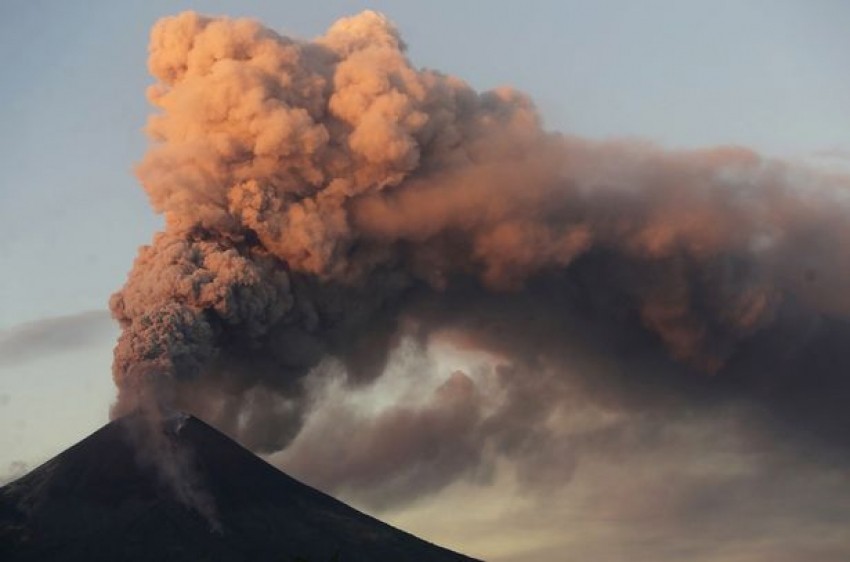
316 192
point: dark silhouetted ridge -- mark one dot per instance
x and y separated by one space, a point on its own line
96 501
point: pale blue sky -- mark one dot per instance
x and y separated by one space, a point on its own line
772 75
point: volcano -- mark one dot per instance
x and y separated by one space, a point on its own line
96 501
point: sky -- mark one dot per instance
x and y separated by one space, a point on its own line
766 75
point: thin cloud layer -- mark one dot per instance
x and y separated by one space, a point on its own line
26 342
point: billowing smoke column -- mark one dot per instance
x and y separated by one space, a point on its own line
317 193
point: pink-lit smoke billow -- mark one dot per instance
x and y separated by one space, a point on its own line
324 199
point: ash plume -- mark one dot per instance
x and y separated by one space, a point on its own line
326 199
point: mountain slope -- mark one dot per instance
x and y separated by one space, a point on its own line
95 501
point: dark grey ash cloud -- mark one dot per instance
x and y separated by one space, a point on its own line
721 484
327 202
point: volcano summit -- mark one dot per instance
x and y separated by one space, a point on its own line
96 501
